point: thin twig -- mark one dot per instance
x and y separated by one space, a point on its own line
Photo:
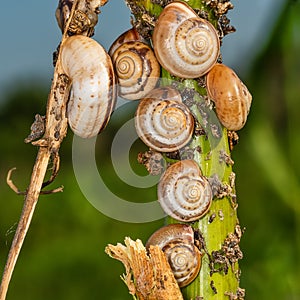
11 184
55 131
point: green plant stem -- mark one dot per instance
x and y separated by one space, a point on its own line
219 275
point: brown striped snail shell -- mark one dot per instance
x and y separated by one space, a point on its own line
131 35
184 44
177 242
183 193
136 69
231 97
163 125
93 92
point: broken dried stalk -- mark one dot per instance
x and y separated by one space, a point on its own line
149 277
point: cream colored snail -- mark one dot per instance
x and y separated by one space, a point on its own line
93 94
136 68
231 97
184 44
183 193
177 242
163 125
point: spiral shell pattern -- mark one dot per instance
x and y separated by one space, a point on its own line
93 92
184 44
164 125
177 242
183 193
137 69
231 97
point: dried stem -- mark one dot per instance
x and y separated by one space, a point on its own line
11 184
49 144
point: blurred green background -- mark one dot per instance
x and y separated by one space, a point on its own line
63 255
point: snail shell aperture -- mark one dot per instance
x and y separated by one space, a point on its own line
177 242
183 193
163 125
93 94
184 44
231 97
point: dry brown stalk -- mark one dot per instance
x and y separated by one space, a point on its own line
148 276
55 130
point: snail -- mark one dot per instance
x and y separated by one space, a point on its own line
136 66
163 125
85 16
177 242
93 94
130 35
183 192
231 97
165 93
63 12
186 45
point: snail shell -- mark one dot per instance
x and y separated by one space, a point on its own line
63 12
231 97
131 35
184 44
163 125
165 93
136 68
183 193
93 94
177 242
85 16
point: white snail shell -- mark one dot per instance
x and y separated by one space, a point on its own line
177 242
183 193
163 125
136 68
93 94
184 44
231 97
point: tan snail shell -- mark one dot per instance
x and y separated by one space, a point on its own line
136 68
184 44
231 97
183 193
177 242
130 35
93 92
163 125
165 93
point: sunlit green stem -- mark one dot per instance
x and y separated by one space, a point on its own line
219 275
